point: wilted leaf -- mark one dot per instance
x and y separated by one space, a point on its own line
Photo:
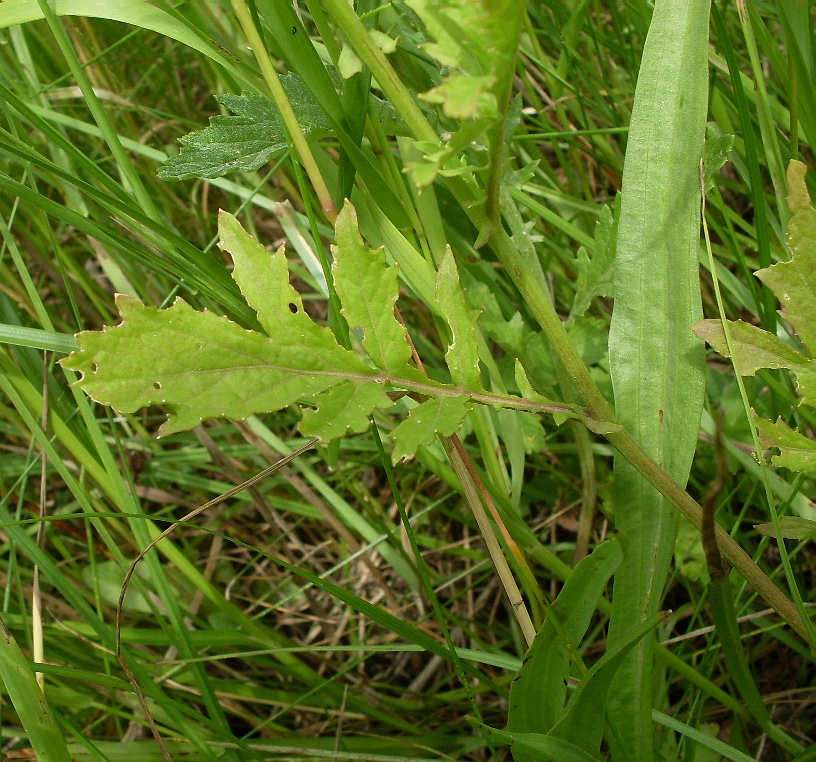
753 347
794 284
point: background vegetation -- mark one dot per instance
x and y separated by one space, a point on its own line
293 621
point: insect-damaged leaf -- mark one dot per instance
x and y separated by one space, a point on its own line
796 451
201 365
755 349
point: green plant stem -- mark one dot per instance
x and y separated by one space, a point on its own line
290 121
342 13
530 282
488 534
769 495
600 415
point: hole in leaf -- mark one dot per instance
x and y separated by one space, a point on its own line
199 346
293 308
156 385
94 367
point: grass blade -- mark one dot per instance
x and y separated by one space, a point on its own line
21 686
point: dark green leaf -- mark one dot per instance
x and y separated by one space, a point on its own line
245 141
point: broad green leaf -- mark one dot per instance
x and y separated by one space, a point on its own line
796 451
657 364
793 528
245 141
368 290
538 693
596 274
434 417
794 282
462 355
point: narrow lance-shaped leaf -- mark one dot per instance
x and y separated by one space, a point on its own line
539 691
656 362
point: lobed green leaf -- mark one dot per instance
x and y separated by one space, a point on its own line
246 140
796 451
201 365
462 355
794 282
368 290
433 418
